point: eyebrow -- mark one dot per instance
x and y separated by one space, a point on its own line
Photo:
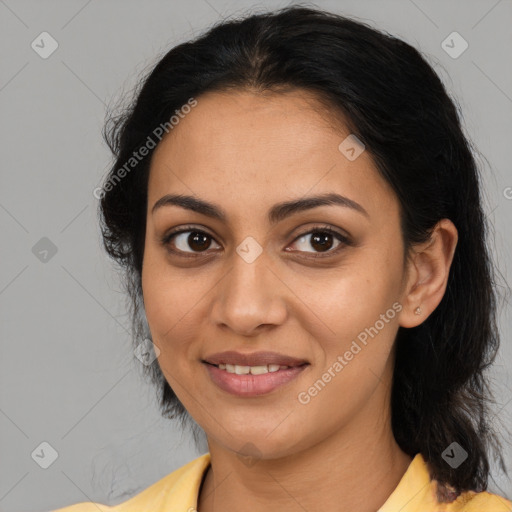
277 213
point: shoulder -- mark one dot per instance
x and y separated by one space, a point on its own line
88 506
418 492
471 501
176 491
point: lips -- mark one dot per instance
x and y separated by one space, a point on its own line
246 386
253 359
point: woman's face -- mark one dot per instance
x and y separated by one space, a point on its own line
252 282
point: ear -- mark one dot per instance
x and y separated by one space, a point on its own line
428 269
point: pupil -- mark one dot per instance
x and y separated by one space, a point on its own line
199 240
322 245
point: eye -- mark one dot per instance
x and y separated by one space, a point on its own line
321 239
186 238
182 240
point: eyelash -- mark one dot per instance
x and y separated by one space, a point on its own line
344 241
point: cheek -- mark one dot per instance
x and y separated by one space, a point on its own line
353 360
165 298
352 297
359 305
175 304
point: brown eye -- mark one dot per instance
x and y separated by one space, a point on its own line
188 241
322 241
198 241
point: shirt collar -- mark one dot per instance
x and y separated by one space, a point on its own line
414 491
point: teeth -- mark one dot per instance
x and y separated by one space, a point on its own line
258 370
253 370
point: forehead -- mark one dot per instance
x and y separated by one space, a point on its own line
250 148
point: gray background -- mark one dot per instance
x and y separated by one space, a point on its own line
68 374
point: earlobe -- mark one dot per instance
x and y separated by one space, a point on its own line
429 267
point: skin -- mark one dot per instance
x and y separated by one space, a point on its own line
246 151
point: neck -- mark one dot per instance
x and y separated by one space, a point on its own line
357 468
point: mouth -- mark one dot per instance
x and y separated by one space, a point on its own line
252 374
252 381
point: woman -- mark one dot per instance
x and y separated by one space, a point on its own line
298 215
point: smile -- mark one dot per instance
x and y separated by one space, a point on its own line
247 381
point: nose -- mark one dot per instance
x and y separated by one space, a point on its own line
251 295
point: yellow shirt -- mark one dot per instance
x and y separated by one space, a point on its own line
178 492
